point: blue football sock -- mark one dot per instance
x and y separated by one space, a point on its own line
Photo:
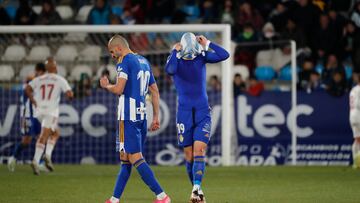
189 170
18 148
198 169
123 177
148 176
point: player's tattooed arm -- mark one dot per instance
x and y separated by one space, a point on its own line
117 88
29 93
155 100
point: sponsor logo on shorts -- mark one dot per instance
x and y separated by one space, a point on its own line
181 138
199 172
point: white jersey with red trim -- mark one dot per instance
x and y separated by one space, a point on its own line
47 91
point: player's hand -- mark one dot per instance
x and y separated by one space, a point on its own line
155 125
104 82
177 46
202 40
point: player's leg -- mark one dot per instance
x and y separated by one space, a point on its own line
147 175
184 123
356 147
25 141
133 139
199 163
125 169
51 142
201 140
189 160
50 145
356 143
41 142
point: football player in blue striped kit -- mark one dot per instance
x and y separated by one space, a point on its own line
134 80
186 65
30 126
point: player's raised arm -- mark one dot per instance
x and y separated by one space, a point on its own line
172 63
219 54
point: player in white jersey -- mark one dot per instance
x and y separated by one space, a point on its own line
30 126
355 119
47 90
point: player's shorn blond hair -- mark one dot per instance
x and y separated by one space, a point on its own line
118 40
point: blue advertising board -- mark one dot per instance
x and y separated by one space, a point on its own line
262 135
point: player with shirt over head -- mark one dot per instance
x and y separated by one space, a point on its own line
134 80
354 99
44 93
186 65
30 126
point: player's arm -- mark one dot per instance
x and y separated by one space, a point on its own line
155 100
172 62
69 94
29 92
218 54
117 88
65 87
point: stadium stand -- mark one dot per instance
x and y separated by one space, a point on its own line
14 53
26 70
65 12
90 53
310 23
79 70
10 73
39 53
66 53
61 70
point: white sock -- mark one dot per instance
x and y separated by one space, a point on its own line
196 187
355 149
49 148
161 196
114 200
39 150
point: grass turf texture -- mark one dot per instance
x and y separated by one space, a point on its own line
93 184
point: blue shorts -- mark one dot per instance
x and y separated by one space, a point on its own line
193 125
30 126
130 136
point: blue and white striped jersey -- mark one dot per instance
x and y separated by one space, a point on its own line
137 71
26 108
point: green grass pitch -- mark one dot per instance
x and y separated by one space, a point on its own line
93 184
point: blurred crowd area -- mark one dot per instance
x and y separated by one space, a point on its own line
326 32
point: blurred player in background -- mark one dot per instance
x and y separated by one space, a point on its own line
355 120
30 126
44 93
187 66
134 80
